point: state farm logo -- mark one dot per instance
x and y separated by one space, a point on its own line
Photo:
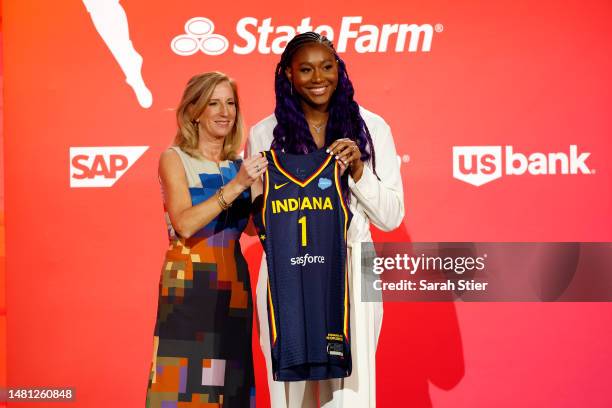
101 166
264 38
199 36
478 165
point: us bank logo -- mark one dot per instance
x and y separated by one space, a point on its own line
478 165
264 37
101 166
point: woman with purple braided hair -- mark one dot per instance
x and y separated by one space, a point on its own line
315 109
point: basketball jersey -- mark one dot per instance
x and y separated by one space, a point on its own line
303 231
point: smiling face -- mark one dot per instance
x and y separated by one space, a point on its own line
218 118
314 74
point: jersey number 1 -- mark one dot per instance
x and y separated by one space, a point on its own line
302 222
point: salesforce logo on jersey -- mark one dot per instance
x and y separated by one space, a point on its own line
264 37
324 183
307 259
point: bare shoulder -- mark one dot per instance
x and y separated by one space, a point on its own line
170 165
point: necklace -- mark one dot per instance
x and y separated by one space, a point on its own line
318 127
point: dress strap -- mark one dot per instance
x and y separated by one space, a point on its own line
190 172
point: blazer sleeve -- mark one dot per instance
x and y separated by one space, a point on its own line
381 197
251 145
260 136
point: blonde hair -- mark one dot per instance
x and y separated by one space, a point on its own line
195 99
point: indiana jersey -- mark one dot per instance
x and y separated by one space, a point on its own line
303 231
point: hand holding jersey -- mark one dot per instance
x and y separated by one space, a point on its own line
348 155
251 170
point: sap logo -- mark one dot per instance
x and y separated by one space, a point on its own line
101 166
478 165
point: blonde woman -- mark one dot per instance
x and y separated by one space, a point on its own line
202 344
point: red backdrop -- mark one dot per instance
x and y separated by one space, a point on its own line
83 263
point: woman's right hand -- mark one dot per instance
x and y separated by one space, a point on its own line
251 169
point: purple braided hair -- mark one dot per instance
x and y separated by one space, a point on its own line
292 134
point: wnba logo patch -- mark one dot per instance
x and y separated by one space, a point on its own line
335 349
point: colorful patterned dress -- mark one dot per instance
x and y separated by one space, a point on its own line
202 345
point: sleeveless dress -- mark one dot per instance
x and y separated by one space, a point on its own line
202 346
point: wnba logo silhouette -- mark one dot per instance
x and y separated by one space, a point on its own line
111 23
199 36
478 165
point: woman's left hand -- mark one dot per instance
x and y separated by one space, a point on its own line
347 154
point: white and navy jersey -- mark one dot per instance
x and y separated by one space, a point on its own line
303 231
